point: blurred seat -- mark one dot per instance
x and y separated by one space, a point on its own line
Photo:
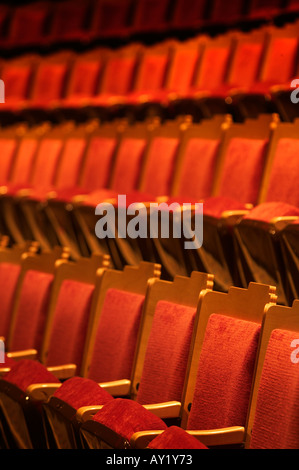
31 302
160 367
109 353
151 16
111 19
193 17
215 409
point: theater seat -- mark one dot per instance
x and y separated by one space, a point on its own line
214 408
160 367
10 268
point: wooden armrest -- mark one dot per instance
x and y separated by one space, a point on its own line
232 217
117 388
25 354
281 222
24 192
86 413
42 392
220 437
64 371
210 438
168 409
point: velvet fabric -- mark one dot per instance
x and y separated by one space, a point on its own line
245 64
48 83
83 82
28 372
23 164
242 170
275 423
8 147
125 417
198 167
9 275
214 206
162 156
212 70
266 211
116 336
167 353
225 373
117 79
175 438
80 391
32 311
70 165
283 184
16 79
69 326
45 166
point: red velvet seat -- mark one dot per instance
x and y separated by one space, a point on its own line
192 17
111 19
264 9
27 25
222 369
69 22
151 16
175 438
272 419
161 365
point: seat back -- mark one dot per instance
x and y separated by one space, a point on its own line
163 359
280 55
119 71
32 299
113 331
72 301
222 367
17 75
28 23
111 18
191 17
69 20
151 15
213 66
10 268
50 78
273 421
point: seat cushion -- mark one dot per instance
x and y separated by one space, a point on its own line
27 372
266 211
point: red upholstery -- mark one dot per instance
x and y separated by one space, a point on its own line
188 17
96 169
175 438
17 81
9 275
182 70
111 18
214 206
275 424
151 15
279 64
283 184
167 354
80 391
28 23
126 417
246 63
69 326
32 311
225 373
242 170
267 211
116 336
8 361
69 20
83 81
28 372
212 70
8 147
23 163
162 157
46 163
49 83
197 171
